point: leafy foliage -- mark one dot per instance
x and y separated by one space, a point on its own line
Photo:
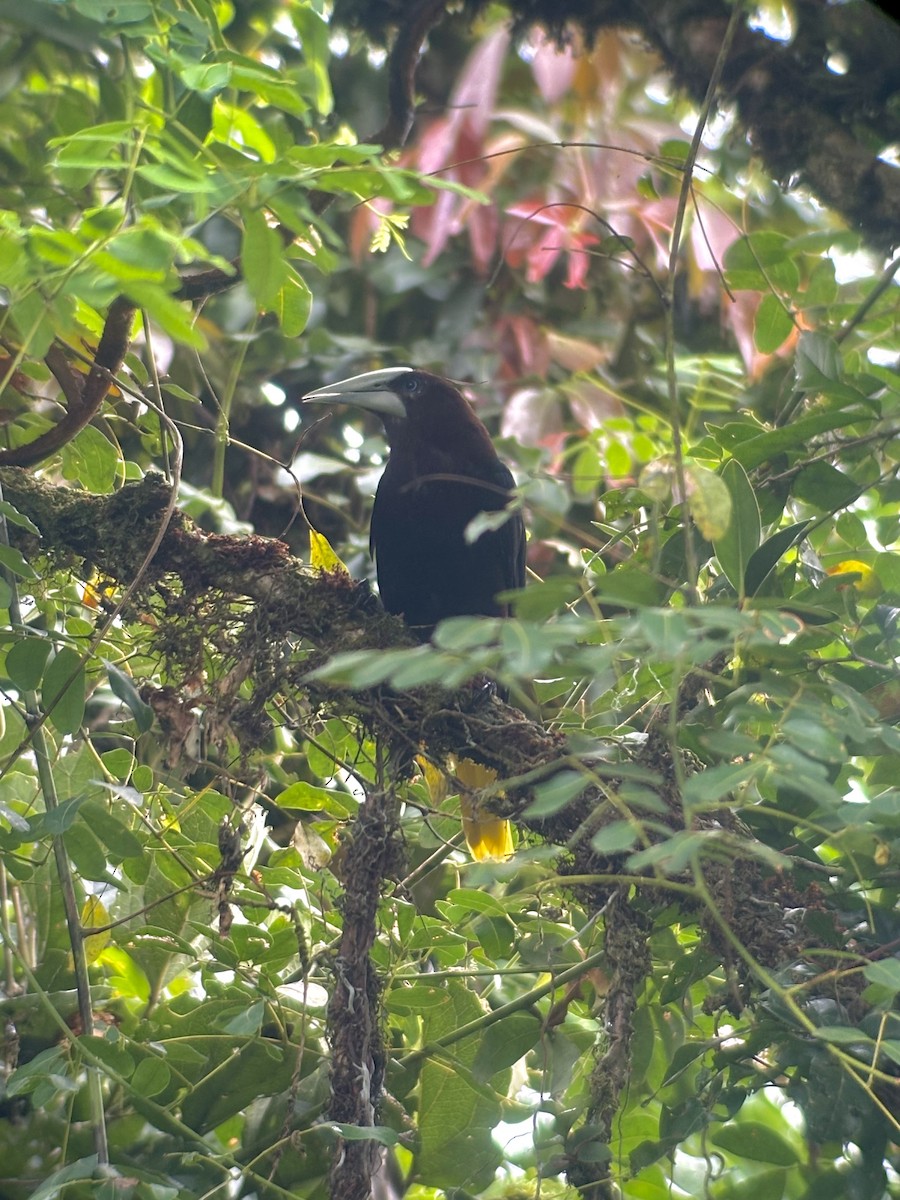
684 980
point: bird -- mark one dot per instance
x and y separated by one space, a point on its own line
441 475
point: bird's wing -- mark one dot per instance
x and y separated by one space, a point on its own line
427 569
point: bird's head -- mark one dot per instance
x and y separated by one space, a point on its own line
410 402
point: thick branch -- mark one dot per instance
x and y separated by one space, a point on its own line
354 1015
628 954
112 535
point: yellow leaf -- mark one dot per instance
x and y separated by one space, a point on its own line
710 501
435 780
95 916
312 848
321 555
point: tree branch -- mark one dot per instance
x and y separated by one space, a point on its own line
84 395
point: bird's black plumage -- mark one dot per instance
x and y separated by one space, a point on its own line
442 472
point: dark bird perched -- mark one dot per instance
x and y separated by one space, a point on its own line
443 471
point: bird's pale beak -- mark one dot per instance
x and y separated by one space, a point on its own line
373 391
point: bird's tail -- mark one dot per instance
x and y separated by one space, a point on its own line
488 836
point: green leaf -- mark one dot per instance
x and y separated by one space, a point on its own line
842 1035
885 972
887 568
759 261
151 1076
86 852
111 1052
736 546
763 562
247 1023
772 325
686 1054
616 837
824 486
752 1139
766 446
293 304
456 1114
111 831
170 177
13 560
383 1134
819 368
55 1184
630 584
555 793
57 820
818 360
476 901
415 999
307 796
26 1077
91 460
172 316
123 686
262 260
762 1185
14 517
25 661
505 1042
205 77
706 788
63 691
821 288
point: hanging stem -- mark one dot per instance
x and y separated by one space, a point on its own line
41 748
217 486
693 570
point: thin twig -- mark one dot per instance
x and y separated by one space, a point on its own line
693 570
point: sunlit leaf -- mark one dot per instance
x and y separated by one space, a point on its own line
93 916
709 501
322 557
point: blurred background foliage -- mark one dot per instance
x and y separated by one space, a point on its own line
521 242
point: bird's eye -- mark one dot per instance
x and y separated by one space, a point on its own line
412 385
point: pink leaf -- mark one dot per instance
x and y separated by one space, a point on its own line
531 416
576 354
554 69
592 403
